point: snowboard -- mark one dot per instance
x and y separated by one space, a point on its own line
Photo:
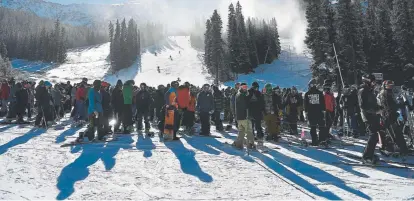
168 132
74 143
14 122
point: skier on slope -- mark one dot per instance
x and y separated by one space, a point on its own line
57 101
117 102
158 69
80 103
369 111
243 116
159 101
205 108
314 106
389 115
143 103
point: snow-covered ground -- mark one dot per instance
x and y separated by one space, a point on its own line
34 166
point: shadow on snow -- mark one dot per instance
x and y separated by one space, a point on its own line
21 139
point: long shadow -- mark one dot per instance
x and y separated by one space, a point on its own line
4 128
188 163
69 132
77 170
21 139
145 144
111 150
314 173
326 158
404 173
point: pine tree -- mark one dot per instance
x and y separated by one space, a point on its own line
5 67
232 40
274 42
207 45
373 42
251 43
243 60
403 32
3 50
217 51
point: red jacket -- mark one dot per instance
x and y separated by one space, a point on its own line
192 104
80 93
329 102
183 97
5 91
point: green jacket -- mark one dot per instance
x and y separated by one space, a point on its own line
127 93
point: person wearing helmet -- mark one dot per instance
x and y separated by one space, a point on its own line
205 108
314 106
389 116
369 110
291 102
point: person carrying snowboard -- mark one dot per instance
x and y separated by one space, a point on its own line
243 116
143 103
314 106
205 108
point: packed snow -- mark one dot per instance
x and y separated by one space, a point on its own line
34 166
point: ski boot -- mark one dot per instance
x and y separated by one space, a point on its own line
324 144
370 161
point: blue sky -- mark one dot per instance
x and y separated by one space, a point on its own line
87 1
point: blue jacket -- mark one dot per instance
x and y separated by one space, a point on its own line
95 101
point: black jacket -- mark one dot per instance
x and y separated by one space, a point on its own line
22 98
205 102
256 102
218 101
349 101
117 99
42 96
243 107
159 99
106 100
143 101
368 104
314 103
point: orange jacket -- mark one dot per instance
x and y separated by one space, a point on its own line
329 102
183 99
192 104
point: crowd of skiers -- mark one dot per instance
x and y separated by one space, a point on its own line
364 109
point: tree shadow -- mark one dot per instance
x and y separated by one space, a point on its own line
145 144
188 163
69 132
34 132
311 172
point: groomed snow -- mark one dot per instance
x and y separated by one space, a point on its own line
34 166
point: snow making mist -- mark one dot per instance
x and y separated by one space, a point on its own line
289 15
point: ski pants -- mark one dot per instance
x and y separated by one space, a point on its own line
127 116
105 120
257 125
205 123
245 130
339 118
4 104
292 120
351 120
373 127
329 118
118 118
43 112
188 119
398 137
272 125
318 123
142 115
95 124
217 121
80 110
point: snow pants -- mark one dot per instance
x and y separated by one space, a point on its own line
273 125
373 127
257 125
188 119
142 115
317 121
127 116
205 123
4 104
43 112
245 130
217 121
118 118
80 110
95 124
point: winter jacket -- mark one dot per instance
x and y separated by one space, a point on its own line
143 101
95 101
192 105
159 99
56 96
117 100
42 96
171 96
5 91
81 94
183 97
127 93
368 104
106 100
271 103
256 102
314 103
243 107
349 102
389 106
22 99
205 102
292 103
329 102
218 101
233 101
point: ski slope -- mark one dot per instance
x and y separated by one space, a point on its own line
136 167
